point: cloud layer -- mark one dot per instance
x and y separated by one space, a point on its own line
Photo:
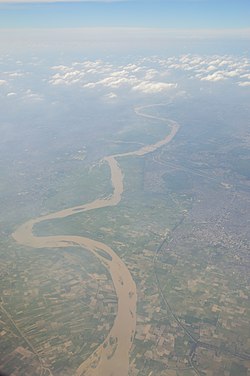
165 77
211 68
152 75
100 75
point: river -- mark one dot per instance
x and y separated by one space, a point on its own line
111 358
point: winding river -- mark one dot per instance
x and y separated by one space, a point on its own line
111 358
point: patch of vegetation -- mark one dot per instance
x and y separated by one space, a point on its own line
242 167
238 370
178 181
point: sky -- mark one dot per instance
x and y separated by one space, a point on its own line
167 14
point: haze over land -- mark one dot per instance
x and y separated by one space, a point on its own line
125 167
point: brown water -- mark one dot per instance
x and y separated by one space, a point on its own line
111 358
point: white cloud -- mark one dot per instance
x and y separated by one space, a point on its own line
12 94
60 67
57 81
116 83
244 83
111 96
231 73
3 82
120 73
16 74
150 73
153 87
211 68
29 94
217 76
246 76
90 85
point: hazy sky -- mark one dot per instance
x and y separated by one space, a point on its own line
129 13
